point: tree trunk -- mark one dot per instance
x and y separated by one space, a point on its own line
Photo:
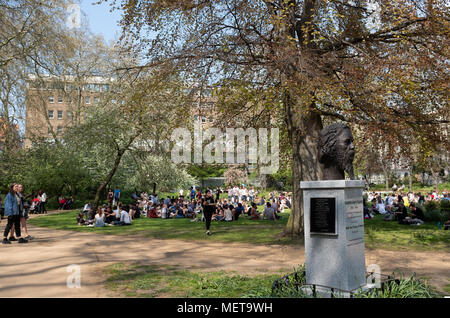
93 210
305 165
410 179
435 175
386 176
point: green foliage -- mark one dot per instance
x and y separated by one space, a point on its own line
53 168
282 180
138 280
436 211
205 171
411 287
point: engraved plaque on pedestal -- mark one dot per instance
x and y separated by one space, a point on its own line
323 216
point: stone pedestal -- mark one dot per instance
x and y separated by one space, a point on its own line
334 233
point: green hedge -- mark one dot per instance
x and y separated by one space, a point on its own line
435 211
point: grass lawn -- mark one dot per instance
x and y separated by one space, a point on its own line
378 233
391 235
136 280
244 230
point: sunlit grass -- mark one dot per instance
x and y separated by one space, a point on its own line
378 233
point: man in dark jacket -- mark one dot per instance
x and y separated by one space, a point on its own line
417 213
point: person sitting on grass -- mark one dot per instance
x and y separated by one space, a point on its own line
69 203
99 218
218 215
269 212
402 213
164 211
180 212
125 218
80 219
239 210
227 212
189 211
152 212
417 215
110 216
254 214
380 206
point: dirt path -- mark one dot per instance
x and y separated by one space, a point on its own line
39 269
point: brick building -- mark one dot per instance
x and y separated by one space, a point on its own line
54 103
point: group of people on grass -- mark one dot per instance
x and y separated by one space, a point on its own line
107 215
394 206
205 206
15 211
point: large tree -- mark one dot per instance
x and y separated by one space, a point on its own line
379 64
137 115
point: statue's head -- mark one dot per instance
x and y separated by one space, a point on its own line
336 148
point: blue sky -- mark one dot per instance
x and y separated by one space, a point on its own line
101 20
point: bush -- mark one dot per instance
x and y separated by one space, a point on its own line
435 211
410 287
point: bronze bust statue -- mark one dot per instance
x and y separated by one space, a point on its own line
336 151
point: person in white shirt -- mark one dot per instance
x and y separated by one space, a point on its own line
125 218
99 218
244 194
42 202
228 213
251 193
164 212
86 208
380 206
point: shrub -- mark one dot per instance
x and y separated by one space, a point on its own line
435 211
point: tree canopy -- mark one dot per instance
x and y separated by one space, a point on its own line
378 64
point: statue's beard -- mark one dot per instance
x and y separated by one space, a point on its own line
345 162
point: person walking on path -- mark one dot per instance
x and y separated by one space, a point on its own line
24 214
42 202
209 207
13 206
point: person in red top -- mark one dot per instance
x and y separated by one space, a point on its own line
62 202
152 213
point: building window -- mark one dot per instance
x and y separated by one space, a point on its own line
51 99
69 114
50 114
203 119
60 114
195 117
211 119
60 99
59 130
87 100
96 100
105 87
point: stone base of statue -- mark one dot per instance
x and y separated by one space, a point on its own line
334 234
